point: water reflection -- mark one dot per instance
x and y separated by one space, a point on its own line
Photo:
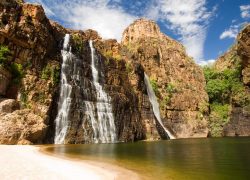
219 158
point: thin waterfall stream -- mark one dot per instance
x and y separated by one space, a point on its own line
65 92
155 105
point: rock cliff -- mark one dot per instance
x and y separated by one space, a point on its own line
29 101
30 38
238 58
178 82
35 44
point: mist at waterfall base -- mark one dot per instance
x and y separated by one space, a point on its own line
211 158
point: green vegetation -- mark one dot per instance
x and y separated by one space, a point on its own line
4 52
221 110
203 107
24 100
78 42
129 68
223 88
170 90
133 47
155 87
17 72
218 118
15 69
109 55
51 72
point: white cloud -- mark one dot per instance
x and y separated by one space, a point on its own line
229 33
109 21
189 19
209 62
232 31
245 11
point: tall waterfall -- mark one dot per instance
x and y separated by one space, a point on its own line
155 105
103 126
65 92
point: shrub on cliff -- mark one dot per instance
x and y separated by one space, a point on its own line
17 72
4 51
15 69
51 72
155 87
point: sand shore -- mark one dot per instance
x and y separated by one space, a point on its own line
27 162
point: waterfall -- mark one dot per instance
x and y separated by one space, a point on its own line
65 92
155 105
103 126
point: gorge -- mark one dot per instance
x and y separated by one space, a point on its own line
74 105
66 86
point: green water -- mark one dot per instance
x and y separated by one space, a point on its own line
215 158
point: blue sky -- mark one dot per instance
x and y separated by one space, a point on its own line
207 28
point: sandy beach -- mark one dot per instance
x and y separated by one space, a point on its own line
27 162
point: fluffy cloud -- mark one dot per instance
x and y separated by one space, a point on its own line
189 19
231 32
109 21
245 11
234 29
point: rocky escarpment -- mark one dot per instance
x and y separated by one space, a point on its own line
33 50
30 80
35 45
238 59
177 81
114 79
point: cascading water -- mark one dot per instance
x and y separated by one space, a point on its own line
65 92
155 105
103 126
92 108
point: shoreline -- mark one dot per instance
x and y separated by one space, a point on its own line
32 162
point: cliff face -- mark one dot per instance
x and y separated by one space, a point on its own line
114 79
177 81
35 44
238 57
29 36
29 103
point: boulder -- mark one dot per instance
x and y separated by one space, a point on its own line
21 127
